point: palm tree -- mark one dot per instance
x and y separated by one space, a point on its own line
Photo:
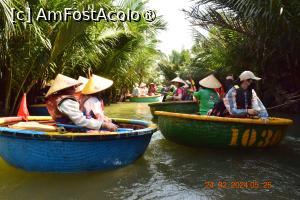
268 34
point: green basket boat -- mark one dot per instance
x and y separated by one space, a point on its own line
146 99
211 131
174 106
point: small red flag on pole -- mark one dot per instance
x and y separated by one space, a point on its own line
23 111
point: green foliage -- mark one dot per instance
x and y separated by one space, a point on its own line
35 53
262 36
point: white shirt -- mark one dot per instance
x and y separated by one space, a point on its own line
93 105
71 109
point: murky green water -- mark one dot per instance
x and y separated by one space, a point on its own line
168 171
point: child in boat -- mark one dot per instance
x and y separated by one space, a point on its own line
179 92
65 108
242 100
90 104
207 94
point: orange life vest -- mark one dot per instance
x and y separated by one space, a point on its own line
52 103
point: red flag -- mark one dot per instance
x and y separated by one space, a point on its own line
23 111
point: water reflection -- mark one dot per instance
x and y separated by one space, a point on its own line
167 171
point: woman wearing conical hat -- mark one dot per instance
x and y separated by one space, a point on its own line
143 89
207 96
152 89
64 107
91 105
180 91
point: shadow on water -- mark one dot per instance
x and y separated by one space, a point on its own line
168 171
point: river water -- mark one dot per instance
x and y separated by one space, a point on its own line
170 171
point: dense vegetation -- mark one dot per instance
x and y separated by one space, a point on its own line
31 54
262 36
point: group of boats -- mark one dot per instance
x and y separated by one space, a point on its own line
42 145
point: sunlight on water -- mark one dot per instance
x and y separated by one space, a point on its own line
167 171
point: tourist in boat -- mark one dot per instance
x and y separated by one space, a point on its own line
207 95
143 89
219 107
90 102
152 89
136 91
78 90
190 89
242 100
64 107
179 92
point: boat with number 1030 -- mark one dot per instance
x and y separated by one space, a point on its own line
198 131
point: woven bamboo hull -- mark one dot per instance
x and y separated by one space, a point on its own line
69 153
38 110
196 132
146 99
190 107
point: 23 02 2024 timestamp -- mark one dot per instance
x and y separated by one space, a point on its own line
237 185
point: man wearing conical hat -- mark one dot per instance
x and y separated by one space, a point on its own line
64 107
242 101
91 105
207 96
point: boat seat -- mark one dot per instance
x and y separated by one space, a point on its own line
33 126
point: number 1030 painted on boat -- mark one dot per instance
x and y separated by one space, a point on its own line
195 130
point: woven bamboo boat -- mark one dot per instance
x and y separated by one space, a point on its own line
38 110
174 106
146 99
198 131
43 151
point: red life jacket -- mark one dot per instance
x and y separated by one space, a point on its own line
52 103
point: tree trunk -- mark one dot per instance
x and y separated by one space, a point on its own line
8 87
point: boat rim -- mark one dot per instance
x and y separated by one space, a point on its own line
150 128
271 121
142 97
37 105
172 102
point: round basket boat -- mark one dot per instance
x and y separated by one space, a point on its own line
198 131
174 106
146 99
38 110
43 151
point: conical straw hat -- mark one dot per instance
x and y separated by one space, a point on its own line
210 82
178 80
96 84
143 85
62 82
83 81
